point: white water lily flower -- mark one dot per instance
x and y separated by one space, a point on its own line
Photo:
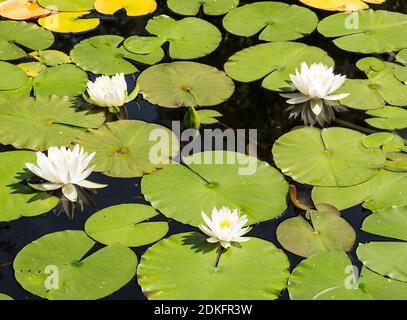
225 226
316 85
64 169
110 92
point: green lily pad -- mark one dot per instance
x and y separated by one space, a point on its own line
64 80
42 122
32 69
273 62
389 142
380 87
326 231
331 157
402 56
105 55
388 118
184 37
14 34
330 276
276 21
51 58
125 149
183 267
123 224
376 31
185 84
4 297
383 191
96 276
210 7
208 116
396 161
391 223
386 258
24 91
16 199
217 179
67 5
15 79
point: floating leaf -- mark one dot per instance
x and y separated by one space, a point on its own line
184 37
32 69
274 62
16 199
383 191
402 56
276 21
123 224
125 148
22 9
42 122
183 267
105 55
388 141
16 93
69 22
388 118
331 157
210 7
80 278
391 223
396 161
340 5
67 5
133 8
51 58
331 276
326 231
4 297
217 179
386 258
185 84
15 79
64 80
367 31
19 33
207 116
380 87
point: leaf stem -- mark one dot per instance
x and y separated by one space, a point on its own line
220 251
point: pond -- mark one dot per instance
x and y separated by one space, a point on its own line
251 106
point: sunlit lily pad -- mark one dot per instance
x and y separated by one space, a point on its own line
386 258
51 58
397 161
184 37
367 32
32 69
391 223
185 84
402 56
389 142
273 62
41 122
383 191
105 55
133 8
17 93
380 87
14 34
64 80
69 22
80 278
15 79
276 21
331 157
330 276
340 5
326 231
125 148
4 297
207 116
22 9
210 7
67 5
239 182
124 224
388 118
183 267
16 199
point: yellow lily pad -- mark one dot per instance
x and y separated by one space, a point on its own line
22 9
133 7
69 22
341 5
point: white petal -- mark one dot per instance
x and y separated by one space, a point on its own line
316 106
46 186
91 185
70 192
337 97
298 100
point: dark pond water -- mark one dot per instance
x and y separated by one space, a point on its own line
250 107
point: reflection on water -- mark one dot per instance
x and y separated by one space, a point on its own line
250 107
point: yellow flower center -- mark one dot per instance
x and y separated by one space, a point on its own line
225 223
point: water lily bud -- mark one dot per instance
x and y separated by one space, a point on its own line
191 119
